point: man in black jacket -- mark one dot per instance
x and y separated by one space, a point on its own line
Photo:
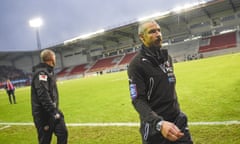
152 89
48 119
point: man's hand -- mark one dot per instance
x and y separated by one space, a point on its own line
57 116
170 131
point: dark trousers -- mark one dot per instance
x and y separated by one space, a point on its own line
181 123
46 130
11 96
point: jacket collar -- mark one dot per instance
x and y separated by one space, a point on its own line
155 55
43 65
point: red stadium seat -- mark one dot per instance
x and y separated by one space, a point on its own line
219 42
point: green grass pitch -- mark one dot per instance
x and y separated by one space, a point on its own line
208 90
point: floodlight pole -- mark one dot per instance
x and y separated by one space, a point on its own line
36 23
39 46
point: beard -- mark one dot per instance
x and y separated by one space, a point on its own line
157 44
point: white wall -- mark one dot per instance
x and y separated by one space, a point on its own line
179 50
7 63
36 59
73 59
24 63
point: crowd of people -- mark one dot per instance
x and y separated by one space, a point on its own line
17 76
10 72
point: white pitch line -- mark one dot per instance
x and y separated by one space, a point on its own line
16 123
5 127
126 124
215 123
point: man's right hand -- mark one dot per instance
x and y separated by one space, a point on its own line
170 131
57 116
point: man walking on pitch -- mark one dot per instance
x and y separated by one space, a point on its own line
152 89
48 119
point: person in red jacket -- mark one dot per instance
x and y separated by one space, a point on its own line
152 89
11 92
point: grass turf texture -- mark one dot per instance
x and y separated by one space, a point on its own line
208 90
217 134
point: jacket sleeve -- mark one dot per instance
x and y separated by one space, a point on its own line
138 92
42 90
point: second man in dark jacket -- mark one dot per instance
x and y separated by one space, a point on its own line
48 119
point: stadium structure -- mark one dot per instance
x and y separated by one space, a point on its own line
205 29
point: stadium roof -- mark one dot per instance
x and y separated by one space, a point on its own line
177 25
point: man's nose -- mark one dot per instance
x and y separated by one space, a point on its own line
159 35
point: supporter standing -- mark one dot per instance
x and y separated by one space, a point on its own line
48 119
10 89
152 89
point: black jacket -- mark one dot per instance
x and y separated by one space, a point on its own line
152 85
44 93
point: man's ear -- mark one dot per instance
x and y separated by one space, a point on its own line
141 37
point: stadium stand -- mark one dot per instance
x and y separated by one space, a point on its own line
127 58
9 72
17 76
79 69
193 36
105 63
65 71
181 50
218 42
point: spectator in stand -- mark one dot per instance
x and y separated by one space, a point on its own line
10 91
